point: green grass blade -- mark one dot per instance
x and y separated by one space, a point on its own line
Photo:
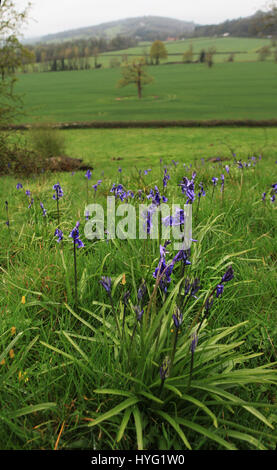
138 425
114 411
173 422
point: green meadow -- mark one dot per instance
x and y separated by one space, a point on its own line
179 92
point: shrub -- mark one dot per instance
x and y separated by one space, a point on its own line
47 141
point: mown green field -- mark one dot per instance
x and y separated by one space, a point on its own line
179 92
244 49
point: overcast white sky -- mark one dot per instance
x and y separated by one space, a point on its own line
51 16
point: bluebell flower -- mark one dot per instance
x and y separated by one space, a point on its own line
75 235
139 313
28 192
177 318
164 369
193 344
59 235
59 192
44 211
228 276
19 186
219 290
188 189
214 181
106 282
88 175
166 178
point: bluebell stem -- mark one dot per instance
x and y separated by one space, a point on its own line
88 177
193 344
57 196
178 320
77 242
164 371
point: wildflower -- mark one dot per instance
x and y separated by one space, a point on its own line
191 289
214 181
227 168
182 255
219 290
166 178
88 175
19 186
164 369
31 203
228 276
222 182
120 170
177 219
106 282
263 197
177 318
23 300
139 313
11 353
44 211
28 192
147 171
74 234
202 191
123 282
194 342
142 291
59 235
59 192
188 188
13 330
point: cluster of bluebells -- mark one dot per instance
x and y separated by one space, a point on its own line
164 271
156 199
121 193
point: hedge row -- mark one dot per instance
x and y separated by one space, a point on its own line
153 124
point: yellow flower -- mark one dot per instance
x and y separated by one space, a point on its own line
123 282
11 354
13 330
2 363
23 300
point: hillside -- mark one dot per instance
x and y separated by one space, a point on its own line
147 28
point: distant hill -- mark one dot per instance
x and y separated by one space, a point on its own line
144 28
251 26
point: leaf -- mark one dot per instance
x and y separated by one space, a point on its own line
206 432
32 409
111 391
138 425
114 411
246 437
175 426
151 397
202 406
124 423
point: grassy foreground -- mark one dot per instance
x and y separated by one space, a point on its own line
88 374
